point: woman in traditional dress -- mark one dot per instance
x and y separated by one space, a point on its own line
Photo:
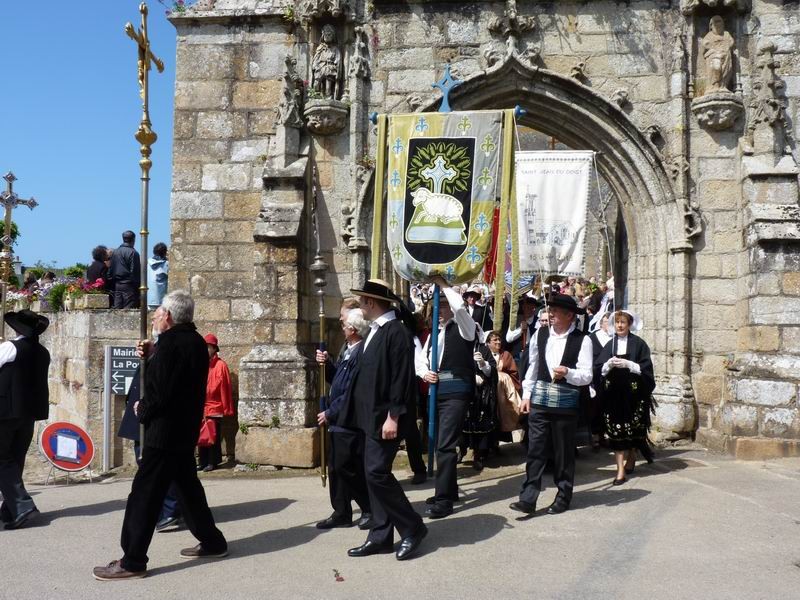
480 423
509 387
626 382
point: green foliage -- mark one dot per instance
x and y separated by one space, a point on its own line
455 157
244 428
13 280
56 296
252 466
37 272
276 421
14 231
77 270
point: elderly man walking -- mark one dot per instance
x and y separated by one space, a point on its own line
171 411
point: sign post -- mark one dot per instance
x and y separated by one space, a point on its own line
118 372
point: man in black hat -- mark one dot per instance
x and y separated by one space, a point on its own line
24 399
560 366
376 403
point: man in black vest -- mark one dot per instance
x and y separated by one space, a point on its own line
171 411
376 404
24 399
456 378
560 366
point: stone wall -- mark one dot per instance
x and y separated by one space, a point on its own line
76 342
708 195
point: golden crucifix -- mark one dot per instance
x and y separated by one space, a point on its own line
146 138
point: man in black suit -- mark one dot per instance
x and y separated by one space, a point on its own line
125 273
24 399
171 411
376 404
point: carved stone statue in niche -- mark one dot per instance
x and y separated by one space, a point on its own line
718 53
326 65
718 108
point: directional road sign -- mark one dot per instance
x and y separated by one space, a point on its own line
122 362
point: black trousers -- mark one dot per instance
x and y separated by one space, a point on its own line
159 468
550 434
15 438
450 411
212 455
346 478
126 295
390 507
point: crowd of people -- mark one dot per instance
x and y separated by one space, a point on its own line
561 368
119 269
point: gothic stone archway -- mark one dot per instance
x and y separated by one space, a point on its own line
658 264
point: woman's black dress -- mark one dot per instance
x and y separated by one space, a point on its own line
481 420
626 397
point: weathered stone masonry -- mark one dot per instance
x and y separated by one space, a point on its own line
705 176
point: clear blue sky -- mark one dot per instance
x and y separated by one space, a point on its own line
70 107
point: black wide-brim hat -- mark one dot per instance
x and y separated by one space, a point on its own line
27 323
566 302
378 289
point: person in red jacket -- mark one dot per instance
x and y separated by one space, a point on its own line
219 402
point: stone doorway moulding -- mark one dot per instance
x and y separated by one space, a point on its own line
659 285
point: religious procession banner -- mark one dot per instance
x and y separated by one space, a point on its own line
552 194
441 188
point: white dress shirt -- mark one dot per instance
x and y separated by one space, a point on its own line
554 351
512 335
467 328
377 324
8 351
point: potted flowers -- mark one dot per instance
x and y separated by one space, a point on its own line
91 295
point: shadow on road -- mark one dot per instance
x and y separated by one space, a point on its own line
461 531
249 510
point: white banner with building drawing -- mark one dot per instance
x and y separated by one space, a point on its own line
552 201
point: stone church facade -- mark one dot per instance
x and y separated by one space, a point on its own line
691 105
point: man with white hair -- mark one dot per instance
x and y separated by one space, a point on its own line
346 457
171 412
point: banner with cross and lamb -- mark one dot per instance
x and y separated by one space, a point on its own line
441 190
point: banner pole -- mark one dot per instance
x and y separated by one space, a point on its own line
433 386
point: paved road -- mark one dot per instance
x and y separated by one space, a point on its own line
692 525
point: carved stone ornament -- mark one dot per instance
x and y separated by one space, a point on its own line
313 10
414 101
326 116
688 7
767 107
718 111
359 61
692 220
510 26
578 71
620 98
290 107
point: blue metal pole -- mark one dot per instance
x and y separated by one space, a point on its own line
434 366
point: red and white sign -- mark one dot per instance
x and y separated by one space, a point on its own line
66 446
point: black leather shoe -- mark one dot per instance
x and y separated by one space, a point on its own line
619 481
419 478
168 522
22 518
439 511
523 507
557 507
368 549
5 514
333 522
430 500
365 522
409 545
477 464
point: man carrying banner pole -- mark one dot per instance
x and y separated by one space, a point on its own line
452 349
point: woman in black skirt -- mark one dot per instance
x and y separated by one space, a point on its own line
624 372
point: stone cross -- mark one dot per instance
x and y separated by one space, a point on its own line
10 200
438 174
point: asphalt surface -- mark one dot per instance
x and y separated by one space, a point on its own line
692 525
